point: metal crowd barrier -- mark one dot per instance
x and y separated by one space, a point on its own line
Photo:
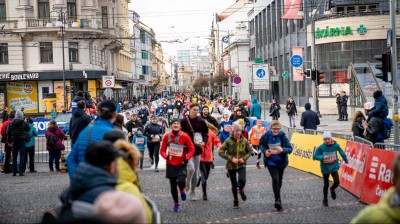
41 153
363 141
387 146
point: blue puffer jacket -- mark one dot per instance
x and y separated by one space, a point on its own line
32 134
89 182
77 154
255 109
278 160
380 108
140 146
328 150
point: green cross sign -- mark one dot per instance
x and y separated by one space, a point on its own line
362 29
286 74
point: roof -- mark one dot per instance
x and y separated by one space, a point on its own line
232 9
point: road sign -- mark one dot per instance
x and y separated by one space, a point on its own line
260 76
229 73
237 89
108 81
296 61
237 80
225 39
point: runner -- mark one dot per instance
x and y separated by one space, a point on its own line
276 146
153 131
207 158
226 126
327 154
255 135
180 151
236 150
140 141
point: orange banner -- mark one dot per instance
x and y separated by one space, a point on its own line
291 9
59 91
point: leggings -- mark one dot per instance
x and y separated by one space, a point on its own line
193 168
174 183
276 175
205 168
141 160
335 176
239 182
154 151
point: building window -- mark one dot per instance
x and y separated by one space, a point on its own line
104 16
3 53
2 10
44 9
73 52
71 9
46 52
145 55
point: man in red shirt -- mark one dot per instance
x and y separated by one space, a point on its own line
7 147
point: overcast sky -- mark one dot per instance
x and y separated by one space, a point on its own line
179 19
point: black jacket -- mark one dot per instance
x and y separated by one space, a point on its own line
78 122
18 130
374 128
199 125
309 120
131 125
210 120
292 108
343 100
358 128
152 129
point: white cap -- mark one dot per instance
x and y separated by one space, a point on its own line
327 134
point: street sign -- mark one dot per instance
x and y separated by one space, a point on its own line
229 73
237 80
108 81
296 61
274 78
237 89
225 39
261 76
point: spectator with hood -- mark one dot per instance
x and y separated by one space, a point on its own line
255 109
79 120
74 103
309 119
92 133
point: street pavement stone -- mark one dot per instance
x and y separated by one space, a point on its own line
24 199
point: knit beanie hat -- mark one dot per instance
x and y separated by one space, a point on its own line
327 134
140 129
236 127
19 114
176 120
119 207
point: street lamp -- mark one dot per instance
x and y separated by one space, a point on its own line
62 23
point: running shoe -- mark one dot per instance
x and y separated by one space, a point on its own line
325 202
176 208
333 194
156 169
183 195
278 205
235 204
192 196
242 194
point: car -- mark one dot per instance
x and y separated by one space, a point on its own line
63 120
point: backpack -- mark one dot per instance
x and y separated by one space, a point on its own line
387 126
51 139
219 111
176 140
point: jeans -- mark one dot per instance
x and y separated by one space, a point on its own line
18 147
174 183
276 175
237 182
336 182
292 120
193 167
7 159
54 155
30 153
205 168
154 151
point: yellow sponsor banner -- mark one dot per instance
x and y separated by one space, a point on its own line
304 146
92 88
23 95
59 91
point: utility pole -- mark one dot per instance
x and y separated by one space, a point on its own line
313 59
394 69
222 68
229 65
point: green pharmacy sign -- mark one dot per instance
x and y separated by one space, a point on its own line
333 32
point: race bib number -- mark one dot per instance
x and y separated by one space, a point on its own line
257 135
227 128
169 110
175 150
198 138
159 123
139 141
329 157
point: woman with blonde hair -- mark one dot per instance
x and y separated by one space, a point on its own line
276 147
356 126
206 159
54 137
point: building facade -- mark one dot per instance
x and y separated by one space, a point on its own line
41 54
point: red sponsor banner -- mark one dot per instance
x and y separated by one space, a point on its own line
378 176
291 9
352 175
297 72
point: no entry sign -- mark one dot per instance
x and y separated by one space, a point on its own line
237 80
108 81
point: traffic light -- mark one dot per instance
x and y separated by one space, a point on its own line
67 89
320 77
313 75
385 67
72 88
307 73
